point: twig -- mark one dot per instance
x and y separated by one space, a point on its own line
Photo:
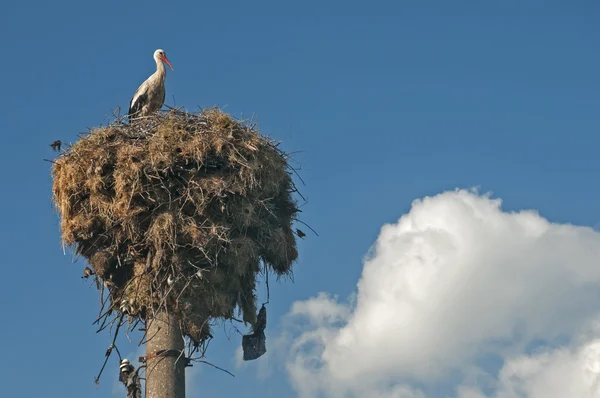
267 283
109 350
214 366
302 222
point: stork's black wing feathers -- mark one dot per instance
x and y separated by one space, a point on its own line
136 104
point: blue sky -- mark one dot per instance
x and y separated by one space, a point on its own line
388 102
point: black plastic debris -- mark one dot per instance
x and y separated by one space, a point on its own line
254 345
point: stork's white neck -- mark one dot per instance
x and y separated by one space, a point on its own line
161 71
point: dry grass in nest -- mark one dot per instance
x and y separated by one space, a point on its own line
201 199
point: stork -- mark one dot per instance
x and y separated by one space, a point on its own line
150 96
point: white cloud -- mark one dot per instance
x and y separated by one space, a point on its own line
563 372
452 281
469 392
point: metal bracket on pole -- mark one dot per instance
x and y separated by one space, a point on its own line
165 353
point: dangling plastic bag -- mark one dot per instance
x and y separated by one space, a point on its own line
254 345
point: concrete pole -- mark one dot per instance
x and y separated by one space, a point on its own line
165 375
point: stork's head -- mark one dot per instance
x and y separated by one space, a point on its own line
162 56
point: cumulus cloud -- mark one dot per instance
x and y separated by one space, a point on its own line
562 372
455 280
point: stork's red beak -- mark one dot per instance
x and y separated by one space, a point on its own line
166 61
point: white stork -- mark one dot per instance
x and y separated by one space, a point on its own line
150 96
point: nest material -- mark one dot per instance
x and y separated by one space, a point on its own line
180 211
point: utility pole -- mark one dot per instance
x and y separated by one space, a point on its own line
165 359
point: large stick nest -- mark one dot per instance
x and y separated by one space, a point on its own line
178 211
